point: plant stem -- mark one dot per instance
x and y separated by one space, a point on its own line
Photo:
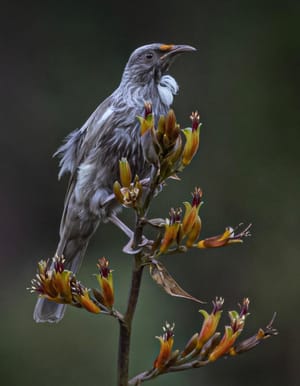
126 322
125 325
136 278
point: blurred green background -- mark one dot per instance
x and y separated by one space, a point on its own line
59 60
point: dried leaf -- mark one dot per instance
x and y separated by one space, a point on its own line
163 278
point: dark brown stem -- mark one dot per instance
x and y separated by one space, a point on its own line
136 278
126 322
125 326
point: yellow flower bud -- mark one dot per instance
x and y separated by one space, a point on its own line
125 172
193 235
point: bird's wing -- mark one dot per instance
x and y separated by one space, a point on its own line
77 147
69 192
79 143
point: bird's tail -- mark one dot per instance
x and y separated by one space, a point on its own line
73 251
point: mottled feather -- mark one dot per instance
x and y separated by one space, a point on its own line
91 154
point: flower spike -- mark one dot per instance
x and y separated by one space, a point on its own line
59 285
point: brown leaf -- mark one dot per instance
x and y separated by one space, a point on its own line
163 278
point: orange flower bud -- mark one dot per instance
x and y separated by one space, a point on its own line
87 303
193 235
172 230
171 128
61 282
105 280
191 214
107 291
226 238
210 322
170 236
189 218
226 343
237 322
166 345
192 136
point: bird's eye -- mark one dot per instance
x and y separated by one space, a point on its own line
149 55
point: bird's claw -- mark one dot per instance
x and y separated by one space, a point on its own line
128 248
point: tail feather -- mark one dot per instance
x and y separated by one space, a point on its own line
75 233
73 251
47 311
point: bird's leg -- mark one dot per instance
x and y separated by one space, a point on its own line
108 200
116 221
128 232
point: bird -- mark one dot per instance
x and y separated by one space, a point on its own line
91 154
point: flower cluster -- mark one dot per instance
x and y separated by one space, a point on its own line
59 285
207 346
166 146
128 192
188 228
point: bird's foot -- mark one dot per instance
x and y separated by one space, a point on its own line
116 221
130 250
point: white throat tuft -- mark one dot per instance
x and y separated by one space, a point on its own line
167 88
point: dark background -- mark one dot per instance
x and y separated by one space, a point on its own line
59 60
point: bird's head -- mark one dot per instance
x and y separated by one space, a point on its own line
152 61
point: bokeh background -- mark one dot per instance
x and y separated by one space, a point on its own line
59 60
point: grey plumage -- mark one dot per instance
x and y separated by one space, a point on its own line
91 154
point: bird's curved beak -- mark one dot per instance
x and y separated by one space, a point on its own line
173 49
170 51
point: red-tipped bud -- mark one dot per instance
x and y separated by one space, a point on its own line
192 136
172 230
210 322
166 345
105 280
